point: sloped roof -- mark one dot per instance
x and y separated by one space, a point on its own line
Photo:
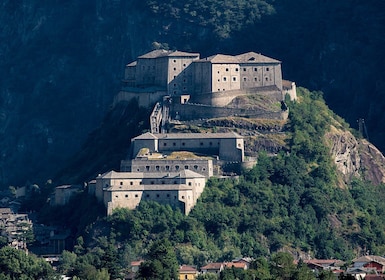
187 269
198 135
212 266
144 136
370 258
251 57
132 64
184 173
220 58
241 265
163 53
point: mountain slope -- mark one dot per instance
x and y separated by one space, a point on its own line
62 62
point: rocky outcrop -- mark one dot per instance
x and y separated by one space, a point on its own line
356 158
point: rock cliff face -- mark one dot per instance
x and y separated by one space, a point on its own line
356 157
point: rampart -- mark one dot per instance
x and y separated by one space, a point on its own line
223 98
190 111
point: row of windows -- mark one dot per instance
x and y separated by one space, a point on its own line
245 69
168 167
184 144
244 79
149 196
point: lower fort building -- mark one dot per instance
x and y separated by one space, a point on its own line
168 168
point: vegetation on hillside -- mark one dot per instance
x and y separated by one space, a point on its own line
291 201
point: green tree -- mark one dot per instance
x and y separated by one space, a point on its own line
161 262
282 266
16 264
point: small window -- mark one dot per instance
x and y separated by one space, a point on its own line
183 144
267 69
211 143
164 144
236 69
201 143
167 167
234 79
163 182
174 69
189 183
227 69
255 79
116 196
266 78
219 80
174 85
175 182
136 195
168 195
126 195
176 167
184 80
184 64
244 79
157 168
147 168
174 60
255 69
131 183
152 182
147 195
121 183
186 167
195 167
157 195
244 69
174 144
224 79
182 196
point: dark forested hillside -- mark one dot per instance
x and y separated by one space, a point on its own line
292 202
61 61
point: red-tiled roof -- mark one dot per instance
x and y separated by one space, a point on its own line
187 269
241 265
212 266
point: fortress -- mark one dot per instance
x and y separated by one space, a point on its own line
182 86
172 168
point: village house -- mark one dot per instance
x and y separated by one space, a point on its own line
187 272
370 262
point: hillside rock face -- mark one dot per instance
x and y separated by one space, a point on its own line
356 158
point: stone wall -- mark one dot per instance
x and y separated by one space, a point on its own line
189 111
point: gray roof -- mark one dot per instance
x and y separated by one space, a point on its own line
184 173
132 64
226 135
220 58
252 57
249 57
163 53
144 136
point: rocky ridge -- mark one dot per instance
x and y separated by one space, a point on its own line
356 158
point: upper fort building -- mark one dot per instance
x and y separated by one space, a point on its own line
187 76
